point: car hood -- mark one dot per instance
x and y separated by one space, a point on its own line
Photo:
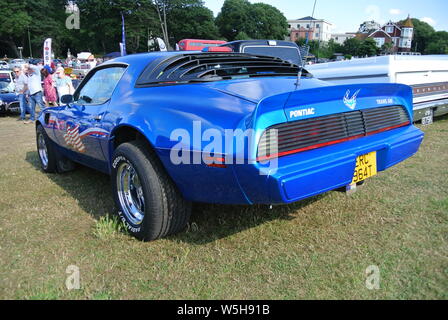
8 97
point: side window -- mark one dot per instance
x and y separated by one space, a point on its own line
100 86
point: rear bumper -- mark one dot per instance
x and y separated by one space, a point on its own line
314 172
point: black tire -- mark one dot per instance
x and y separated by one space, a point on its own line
156 197
56 162
48 163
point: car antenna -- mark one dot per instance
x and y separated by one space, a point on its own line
306 48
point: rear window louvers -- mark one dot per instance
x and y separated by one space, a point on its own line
187 68
293 137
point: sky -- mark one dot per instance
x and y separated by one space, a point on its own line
347 15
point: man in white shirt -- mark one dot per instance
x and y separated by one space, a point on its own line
35 89
21 88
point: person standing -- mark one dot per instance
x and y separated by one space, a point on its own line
35 90
21 88
64 84
49 89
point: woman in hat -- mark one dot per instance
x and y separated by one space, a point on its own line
64 84
49 89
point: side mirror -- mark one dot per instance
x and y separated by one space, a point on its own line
67 99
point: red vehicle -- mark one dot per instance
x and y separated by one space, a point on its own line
198 45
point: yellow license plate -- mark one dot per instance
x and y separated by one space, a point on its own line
365 167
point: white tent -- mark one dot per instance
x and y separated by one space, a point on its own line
85 56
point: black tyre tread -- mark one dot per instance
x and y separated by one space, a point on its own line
175 209
52 155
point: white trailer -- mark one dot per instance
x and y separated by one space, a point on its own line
427 75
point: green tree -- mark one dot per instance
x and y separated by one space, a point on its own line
242 36
438 43
15 21
234 18
387 48
19 16
191 19
368 48
328 49
313 44
101 25
268 22
423 33
351 46
258 21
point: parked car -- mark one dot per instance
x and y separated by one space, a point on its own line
60 62
427 75
176 127
9 101
81 70
285 50
17 63
35 61
4 65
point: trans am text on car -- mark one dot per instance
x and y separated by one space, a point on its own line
230 128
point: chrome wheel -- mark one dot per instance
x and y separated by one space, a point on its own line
130 193
43 152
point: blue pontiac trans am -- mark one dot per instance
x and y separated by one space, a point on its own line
174 128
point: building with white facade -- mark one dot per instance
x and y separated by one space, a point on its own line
399 35
340 38
315 29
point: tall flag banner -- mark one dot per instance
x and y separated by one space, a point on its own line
47 52
123 37
162 45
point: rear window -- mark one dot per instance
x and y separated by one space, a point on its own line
188 68
289 54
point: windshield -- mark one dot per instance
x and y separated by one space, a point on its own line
5 81
289 54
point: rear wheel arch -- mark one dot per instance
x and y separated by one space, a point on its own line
127 133
130 134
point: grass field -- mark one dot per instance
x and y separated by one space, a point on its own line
315 249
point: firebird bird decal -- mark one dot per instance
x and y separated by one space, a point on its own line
351 102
